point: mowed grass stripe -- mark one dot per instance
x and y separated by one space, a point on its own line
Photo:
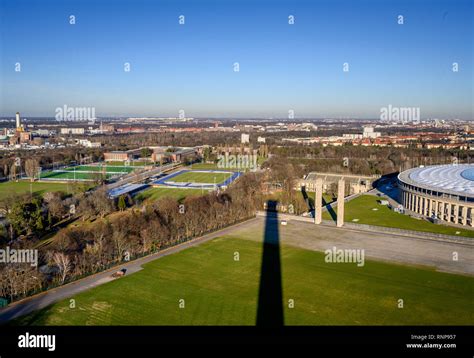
70 175
176 193
199 177
218 290
22 187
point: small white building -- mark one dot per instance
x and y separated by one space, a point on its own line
244 138
88 144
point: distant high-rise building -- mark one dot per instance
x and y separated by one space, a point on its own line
245 138
18 121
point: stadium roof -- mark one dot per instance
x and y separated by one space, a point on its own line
456 179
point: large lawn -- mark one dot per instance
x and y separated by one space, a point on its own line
218 290
201 177
176 193
361 210
22 187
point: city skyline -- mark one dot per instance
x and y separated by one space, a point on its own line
282 67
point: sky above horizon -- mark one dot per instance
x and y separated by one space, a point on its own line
282 67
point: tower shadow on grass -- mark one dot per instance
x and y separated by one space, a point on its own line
330 210
270 295
309 201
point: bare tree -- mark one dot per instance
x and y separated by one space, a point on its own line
63 264
13 172
102 203
31 168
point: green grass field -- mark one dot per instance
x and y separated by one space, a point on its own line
176 193
217 290
203 166
22 187
214 166
98 168
361 209
70 175
87 172
197 177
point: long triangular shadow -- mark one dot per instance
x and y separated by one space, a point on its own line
270 296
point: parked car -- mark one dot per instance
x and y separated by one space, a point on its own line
119 273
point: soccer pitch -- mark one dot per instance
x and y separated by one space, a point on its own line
207 179
86 172
99 168
206 285
201 177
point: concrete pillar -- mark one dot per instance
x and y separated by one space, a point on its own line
415 207
448 213
425 206
464 215
340 202
318 201
456 214
470 216
430 207
436 209
441 210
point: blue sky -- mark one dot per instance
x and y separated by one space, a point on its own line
282 67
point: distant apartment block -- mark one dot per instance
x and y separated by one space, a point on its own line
73 131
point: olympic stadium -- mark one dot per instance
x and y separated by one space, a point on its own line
441 192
